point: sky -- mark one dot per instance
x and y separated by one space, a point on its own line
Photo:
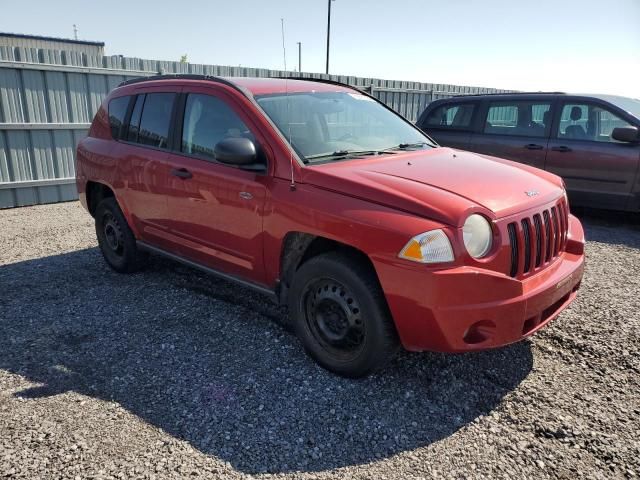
585 46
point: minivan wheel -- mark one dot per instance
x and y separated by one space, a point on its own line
115 238
340 314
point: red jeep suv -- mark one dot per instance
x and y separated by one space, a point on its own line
328 201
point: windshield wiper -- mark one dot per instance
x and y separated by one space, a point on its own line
343 153
407 146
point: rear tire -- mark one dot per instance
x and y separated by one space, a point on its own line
115 238
340 315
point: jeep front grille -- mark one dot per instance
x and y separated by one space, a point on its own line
538 239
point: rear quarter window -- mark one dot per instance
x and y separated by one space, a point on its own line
155 119
117 112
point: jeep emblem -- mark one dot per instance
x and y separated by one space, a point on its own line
532 193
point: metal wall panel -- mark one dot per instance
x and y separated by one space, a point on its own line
48 98
57 97
43 154
98 89
11 96
19 150
65 150
4 159
40 43
78 97
114 80
34 94
67 192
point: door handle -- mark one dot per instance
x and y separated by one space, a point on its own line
561 148
533 146
181 173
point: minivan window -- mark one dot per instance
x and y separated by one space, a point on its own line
529 119
117 112
453 116
207 120
155 120
585 121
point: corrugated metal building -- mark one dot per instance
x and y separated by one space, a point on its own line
51 43
48 98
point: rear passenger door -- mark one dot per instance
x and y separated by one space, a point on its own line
450 124
517 130
144 146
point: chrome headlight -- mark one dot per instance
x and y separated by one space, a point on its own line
477 235
429 247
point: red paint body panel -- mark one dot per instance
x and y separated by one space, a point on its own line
375 205
409 181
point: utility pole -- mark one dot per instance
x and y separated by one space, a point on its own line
75 31
299 57
328 31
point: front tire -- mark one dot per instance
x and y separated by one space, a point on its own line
340 315
115 238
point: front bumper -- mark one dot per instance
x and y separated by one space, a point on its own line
467 308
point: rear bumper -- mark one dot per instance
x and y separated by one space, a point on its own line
466 308
82 194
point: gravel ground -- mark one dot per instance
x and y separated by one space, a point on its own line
172 374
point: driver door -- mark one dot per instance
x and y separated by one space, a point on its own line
215 210
598 171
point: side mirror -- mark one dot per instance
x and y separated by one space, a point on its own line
626 134
237 151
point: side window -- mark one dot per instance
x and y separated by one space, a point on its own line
529 119
451 115
207 120
502 118
134 123
588 122
155 119
117 112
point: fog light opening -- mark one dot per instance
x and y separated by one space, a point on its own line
530 324
479 332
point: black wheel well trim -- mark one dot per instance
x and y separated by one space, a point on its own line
96 192
298 247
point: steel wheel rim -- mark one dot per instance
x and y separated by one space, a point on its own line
334 318
113 235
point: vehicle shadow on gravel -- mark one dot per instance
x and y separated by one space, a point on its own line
612 227
204 361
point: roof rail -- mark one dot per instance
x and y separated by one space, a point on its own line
188 76
509 93
213 78
172 76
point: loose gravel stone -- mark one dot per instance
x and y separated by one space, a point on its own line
169 373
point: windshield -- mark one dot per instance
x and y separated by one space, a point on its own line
325 126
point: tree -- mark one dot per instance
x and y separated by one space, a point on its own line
183 58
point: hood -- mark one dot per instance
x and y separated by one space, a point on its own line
440 183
